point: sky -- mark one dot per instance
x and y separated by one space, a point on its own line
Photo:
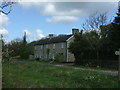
38 19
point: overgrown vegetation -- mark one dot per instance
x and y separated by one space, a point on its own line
34 74
97 47
18 48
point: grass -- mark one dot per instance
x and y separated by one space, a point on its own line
97 68
88 67
43 75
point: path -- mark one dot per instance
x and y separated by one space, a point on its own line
113 73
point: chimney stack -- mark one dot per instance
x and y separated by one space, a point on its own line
75 31
51 36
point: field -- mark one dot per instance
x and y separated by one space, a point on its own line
35 74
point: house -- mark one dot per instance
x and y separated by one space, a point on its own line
55 47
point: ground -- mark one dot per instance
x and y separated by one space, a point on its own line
34 74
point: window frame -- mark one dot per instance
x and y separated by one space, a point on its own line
46 46
54 46
62 45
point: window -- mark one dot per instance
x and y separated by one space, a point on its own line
53 46
40 56
53 57
46 46
35 48
36 55
62 45
46 56
41 46
49 55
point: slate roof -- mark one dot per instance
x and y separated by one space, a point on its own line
57 39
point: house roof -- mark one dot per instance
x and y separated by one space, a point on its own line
57 39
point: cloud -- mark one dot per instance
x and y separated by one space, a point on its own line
77 8
3 31
50 9
27 32
32 36
65 0
56 10
39 34
74 11
3 20
31 3
62 19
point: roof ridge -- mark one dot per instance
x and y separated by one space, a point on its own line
56 39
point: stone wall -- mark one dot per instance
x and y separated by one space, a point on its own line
51 51
70 56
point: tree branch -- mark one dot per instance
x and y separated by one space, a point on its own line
6 4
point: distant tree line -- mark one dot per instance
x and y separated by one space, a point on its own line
18 48
97 47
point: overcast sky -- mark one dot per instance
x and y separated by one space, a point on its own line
40 19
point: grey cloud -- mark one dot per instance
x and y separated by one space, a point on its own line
73 9
87 8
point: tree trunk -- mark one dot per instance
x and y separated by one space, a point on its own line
98 62
119 69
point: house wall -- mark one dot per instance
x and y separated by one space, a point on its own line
56 50
70 56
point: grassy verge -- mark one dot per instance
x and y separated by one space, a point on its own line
43 75
86 67
96 68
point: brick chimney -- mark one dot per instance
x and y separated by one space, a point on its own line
51 36
75 31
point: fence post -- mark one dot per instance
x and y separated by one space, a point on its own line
119 67
0 64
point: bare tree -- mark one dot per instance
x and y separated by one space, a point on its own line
6 4
95 21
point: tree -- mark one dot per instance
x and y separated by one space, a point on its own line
14 47
115 31
48 52
115 35
6 4
94 21
24 39
78 47
100 44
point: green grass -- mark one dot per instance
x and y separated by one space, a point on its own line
97 68
43 75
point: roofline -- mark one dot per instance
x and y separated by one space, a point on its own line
50 43
54 42
70 38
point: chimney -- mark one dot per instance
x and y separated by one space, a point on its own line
75 31
51 36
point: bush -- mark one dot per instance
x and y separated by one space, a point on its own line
59 57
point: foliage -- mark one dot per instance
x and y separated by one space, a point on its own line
115 31
18 48
97 47
33 74
59 56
